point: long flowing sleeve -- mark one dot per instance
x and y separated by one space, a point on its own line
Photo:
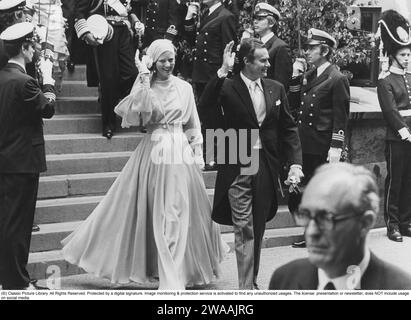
136 109
192 129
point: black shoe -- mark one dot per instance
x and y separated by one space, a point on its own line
406 231
108 134
394 234
70 66
299 244
35 228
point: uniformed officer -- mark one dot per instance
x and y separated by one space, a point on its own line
266 18
11 12
162 20
321 99
113 57
216 28
23 104
394 95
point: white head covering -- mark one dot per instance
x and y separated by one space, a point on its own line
158 47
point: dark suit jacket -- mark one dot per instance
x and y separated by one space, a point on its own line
281 68
302 275
322 108
22 107
230 99
213 34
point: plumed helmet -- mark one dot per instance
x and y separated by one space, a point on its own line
395 32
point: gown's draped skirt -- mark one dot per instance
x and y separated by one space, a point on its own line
155 220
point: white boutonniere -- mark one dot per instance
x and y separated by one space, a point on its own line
278 102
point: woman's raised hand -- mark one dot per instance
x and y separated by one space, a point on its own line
142 67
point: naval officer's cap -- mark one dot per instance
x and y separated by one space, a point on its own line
18 33
316 37
8 6
263 9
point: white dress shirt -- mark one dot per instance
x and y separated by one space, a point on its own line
214 7
256 92
18 63
267 37
349 281
322 68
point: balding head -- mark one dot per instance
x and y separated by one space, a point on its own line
343 200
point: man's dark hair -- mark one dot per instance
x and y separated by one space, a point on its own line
247 49
13 49
9 18
324 48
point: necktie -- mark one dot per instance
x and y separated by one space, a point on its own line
257 96
330 286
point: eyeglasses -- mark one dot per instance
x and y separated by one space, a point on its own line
259 18
325 220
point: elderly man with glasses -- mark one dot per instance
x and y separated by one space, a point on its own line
338 209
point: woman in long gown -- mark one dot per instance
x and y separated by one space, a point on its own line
155 221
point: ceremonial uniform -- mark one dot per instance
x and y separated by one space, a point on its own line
23 104
210 38
394 95
162 20
281 66
113 61
320 101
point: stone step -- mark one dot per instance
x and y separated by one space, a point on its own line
75 163
77 105
51 263
78 123
89 143
50 234
43 265
73 185
79 74
77 88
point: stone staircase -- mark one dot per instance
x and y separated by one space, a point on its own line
82 165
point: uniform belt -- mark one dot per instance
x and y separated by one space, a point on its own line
117 18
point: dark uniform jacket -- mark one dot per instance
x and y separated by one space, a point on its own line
302 275
211 37
394 95
163 20
230 98
281 68
83 10
322 108
3 56
22 107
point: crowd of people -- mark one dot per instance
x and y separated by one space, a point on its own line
156 222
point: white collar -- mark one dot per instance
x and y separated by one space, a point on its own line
322 68
399 71
349 281
18 63
214 7
248 81
267 37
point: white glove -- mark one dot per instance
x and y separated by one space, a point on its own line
193 9
46 69
144 64
139 28
295 175
334 155
299 67
405 134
